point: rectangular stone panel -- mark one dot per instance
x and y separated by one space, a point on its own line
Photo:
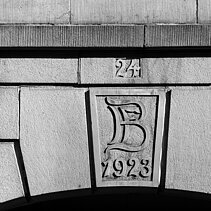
71 36
9 111
34 11
135 11
189 146
10 179
204 14
38 70
145 70
127 133
108 70
177 35
177 70
53 137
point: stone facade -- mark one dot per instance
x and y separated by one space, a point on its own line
98 94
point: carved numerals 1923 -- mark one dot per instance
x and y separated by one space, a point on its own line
127 68
130 168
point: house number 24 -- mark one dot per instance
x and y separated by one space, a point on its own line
128 68
130 168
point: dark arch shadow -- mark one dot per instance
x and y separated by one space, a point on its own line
129 198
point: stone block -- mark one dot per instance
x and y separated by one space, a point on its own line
151 70
180 35
189 146
103 70
10 179
9 110
204 14
53 139
127 134
177 70
71 35
135 11
38 70
34 11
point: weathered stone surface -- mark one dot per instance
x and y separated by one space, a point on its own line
136 11
9 110
54 139
204 14
165 35
102 70
10 180
127 134
189 147
34 11
39 70
153 70
71 36
177 35
177 70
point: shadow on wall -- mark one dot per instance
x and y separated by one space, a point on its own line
106 52
113 199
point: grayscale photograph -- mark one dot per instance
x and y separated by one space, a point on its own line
105 104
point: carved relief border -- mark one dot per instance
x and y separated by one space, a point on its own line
127 127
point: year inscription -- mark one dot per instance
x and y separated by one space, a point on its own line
130 168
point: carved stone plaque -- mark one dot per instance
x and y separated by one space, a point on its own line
127 131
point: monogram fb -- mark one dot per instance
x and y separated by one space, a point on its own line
126 127
130 137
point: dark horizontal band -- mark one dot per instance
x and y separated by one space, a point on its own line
105 35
